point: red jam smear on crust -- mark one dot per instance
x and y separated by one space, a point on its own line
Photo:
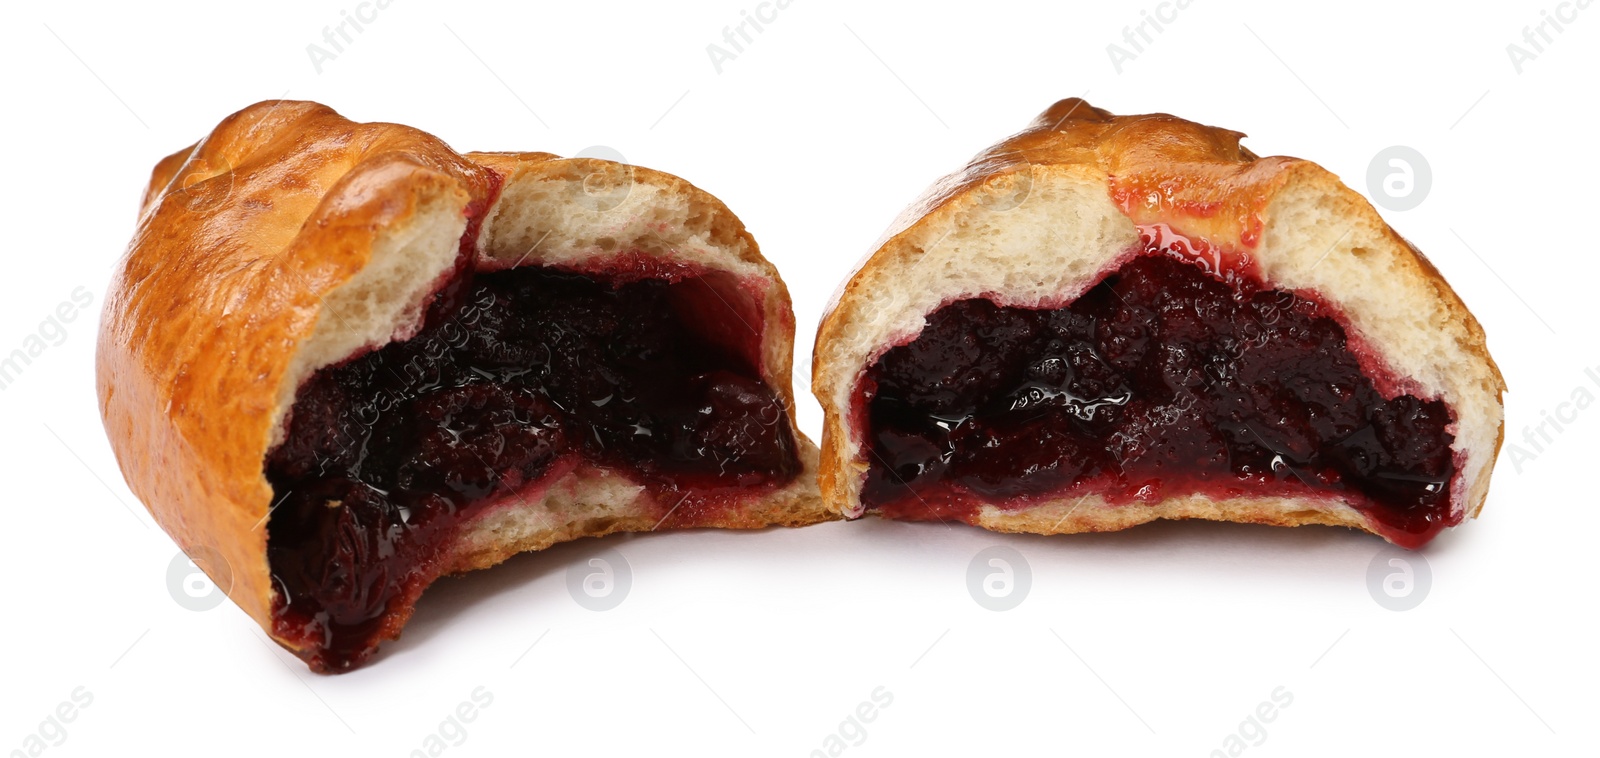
516 377
1146 196
1180 372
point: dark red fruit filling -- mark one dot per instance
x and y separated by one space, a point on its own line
514 374
1162 380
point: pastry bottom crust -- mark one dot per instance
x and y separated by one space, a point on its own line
591 502
1093 513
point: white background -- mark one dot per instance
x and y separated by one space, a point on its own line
1157 641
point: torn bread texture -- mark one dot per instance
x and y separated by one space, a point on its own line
1042 216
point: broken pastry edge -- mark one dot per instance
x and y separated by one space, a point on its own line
994 229
244 238
681 238
685 232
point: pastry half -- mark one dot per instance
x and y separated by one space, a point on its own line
1105 320
349 360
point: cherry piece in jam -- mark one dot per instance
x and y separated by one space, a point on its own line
513 373
1162 380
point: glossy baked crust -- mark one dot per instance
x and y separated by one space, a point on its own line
241 240
1147 169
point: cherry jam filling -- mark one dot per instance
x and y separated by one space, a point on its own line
1162 380
515 375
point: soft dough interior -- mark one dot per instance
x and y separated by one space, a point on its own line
1179 373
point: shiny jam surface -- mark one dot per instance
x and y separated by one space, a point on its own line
515 375
1177 373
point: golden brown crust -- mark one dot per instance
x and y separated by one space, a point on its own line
1155 168
240 240
278 205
